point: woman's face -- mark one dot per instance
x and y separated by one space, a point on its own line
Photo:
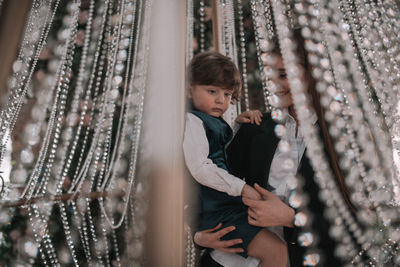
282 97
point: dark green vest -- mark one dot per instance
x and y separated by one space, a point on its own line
218 135
215 206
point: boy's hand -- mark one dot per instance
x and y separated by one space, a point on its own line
250 192
250 116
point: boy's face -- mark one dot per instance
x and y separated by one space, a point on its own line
210 99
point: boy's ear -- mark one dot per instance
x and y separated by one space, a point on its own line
189 91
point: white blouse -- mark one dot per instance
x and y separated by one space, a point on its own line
203 170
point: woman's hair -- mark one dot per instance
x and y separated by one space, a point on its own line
212 68
315 102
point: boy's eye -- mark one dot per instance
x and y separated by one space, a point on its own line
211 91
228 94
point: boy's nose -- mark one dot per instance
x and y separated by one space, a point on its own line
219 98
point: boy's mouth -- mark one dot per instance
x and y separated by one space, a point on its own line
217 110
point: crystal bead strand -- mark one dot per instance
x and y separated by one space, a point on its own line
37 237
229 30
108 109
44 237
229 37
302 216
83 227
102 248
74 110
117 152
336 105
324 85
94 78
356 148
379 136
10 115
389 28
379 76
243 61
66 71
115 246
390 14
103 240
389 44
29 190
202 26
110 96
190 249
221 17
63 85
324 178
32 132
127 238
123 121
22 63
93 234
349 55
95 121
20 68
130 100
189 31
63 165
327 91
140 83
259 28
80 223
382 195
118 147
80 90
67 232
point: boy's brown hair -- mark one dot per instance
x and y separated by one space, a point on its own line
212 68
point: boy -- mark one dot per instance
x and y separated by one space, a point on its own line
213 82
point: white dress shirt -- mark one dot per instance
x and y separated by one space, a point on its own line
203 170
278 178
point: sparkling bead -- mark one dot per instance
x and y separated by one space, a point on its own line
300 219
19 176
296 200
311 259
117 80
30 248
280 131
305 239
27 156
288 164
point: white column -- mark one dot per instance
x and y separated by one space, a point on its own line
163 129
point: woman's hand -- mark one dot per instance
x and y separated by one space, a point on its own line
270 211
211 238
250 116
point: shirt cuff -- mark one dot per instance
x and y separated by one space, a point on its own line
237 187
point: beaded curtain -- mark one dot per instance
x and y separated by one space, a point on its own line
74 112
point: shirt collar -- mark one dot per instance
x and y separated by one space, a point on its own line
289 118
